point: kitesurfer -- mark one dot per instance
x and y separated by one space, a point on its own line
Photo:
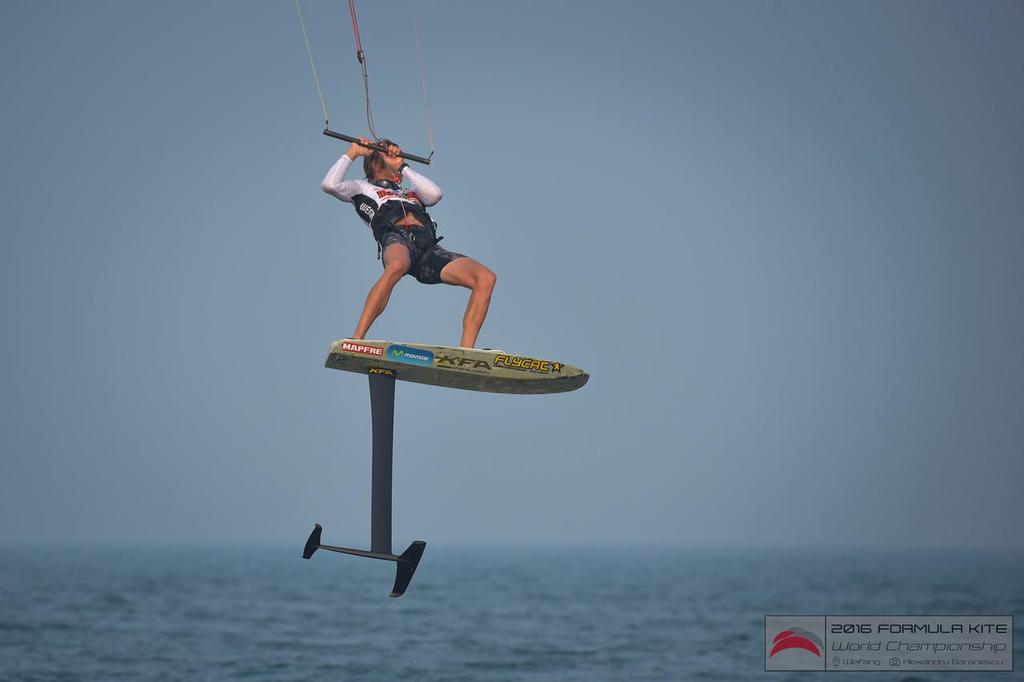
405 233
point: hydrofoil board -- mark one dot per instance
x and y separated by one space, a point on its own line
474 369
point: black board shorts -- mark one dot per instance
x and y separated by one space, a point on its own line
426 270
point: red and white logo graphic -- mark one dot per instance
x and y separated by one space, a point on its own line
361 348
797 638
408 195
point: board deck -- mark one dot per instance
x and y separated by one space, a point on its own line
474 369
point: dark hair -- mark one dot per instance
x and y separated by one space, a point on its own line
375 161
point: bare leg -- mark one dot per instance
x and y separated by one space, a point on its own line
476 277
396 264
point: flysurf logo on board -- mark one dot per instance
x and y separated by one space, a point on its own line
411 356
361 348
529 364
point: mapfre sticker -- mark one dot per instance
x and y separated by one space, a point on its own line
361 348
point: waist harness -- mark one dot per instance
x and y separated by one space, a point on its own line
422 237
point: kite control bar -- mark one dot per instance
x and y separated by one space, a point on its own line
372 145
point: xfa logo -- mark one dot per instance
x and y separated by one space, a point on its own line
473 363
796 638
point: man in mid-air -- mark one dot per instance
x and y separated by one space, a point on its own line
405 233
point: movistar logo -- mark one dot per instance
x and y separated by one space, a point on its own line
411 356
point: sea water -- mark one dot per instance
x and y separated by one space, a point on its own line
480 614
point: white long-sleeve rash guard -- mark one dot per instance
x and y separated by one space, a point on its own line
368 197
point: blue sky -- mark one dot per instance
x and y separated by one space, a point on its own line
784 238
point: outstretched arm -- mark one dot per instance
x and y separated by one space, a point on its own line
334 183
